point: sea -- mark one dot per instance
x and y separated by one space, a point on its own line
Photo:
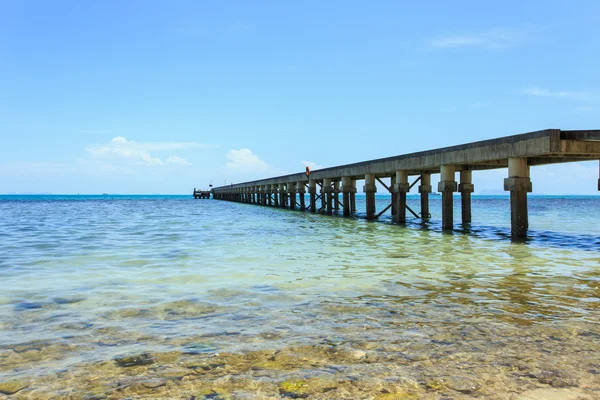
160 297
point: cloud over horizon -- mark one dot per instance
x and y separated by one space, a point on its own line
245 164
138 153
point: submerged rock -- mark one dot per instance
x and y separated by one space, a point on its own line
134 361
462 384
27 305
68 300
154 383
296 389
12 387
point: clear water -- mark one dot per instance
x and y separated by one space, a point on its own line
226 300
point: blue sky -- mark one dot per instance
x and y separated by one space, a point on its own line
161 97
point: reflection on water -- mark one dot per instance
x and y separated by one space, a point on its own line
170 297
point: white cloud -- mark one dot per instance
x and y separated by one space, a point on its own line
312 165
494 39
564 94
177 161
243 160
121 149
245 165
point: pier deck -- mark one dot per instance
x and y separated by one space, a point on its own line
201 194
517 153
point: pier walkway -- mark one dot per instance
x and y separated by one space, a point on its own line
517 153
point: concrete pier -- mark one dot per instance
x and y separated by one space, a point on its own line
424 190
201 194
447 186
400 188
312 192
519 184
348 189
326 195
274 190
291 190
353 197
281 190
300 189
336 195
465 187
370 189
517 153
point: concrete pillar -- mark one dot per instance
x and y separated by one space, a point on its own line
291 190
424 190
274 189
269 191
327 196
348 189
336 195
312 191
447 186
465 188
394 194
266 194
353 197
370 189
301 190
519 184
400 189
282 200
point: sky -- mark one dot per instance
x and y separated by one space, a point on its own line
138 97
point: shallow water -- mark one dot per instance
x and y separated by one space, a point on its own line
224 300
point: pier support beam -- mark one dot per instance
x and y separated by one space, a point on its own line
466 188
269 191
282 195
400 189
300 190
370 189
336 195
424 190
348 191
312 191
291 190
447 186
353 197
264 191
327 195
275 195
394 195
519 184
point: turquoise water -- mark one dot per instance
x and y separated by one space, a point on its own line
228 300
